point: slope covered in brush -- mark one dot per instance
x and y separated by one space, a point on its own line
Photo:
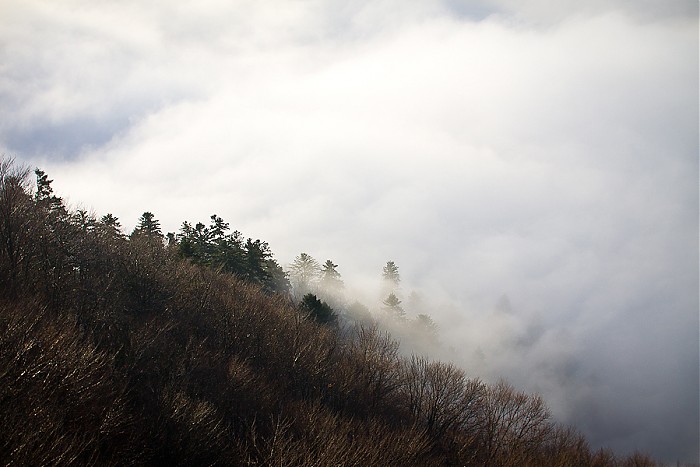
119 349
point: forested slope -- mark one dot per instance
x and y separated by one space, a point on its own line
119 349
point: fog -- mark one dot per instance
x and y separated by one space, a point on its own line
531 167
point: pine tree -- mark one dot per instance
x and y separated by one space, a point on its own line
330 278
390 274
318 310
110 220
303 273
359 312
257 253
44 192
425 324
148 225
278 281
392 305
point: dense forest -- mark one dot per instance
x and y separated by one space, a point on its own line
198 348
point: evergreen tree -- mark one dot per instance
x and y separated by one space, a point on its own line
109 227
330 278
390 281
415 303
230 252
218 228
110 221
425 324
251 261
171 239
392 305
359 312
278 281
44 192
303 273
320 311
84 220
185 240
390 274
148 225
257 253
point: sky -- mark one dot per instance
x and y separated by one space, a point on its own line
531 166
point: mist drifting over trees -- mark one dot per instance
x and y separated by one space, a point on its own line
529 167
189 350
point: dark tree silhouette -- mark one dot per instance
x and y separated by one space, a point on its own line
212 246
148 225
318 310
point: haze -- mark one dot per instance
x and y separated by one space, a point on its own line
531 167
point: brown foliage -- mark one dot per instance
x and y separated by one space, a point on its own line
16 246
513 426
60 399
114 350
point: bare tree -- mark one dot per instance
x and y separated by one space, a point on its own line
514 425
439 396
15 206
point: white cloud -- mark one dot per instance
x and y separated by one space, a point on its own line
556 164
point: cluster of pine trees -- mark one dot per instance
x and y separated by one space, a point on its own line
188 350
322 285
213 246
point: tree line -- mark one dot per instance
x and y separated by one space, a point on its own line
186 349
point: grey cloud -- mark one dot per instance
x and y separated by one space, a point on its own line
63 141
543 12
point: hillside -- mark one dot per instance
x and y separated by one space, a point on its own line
127 349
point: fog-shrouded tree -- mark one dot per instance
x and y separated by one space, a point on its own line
330 277
426 323
116 350
359 312
391 279
426 328
392 306
330 284
415 303
390 274
303 274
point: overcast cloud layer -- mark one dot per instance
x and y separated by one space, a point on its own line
532 167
